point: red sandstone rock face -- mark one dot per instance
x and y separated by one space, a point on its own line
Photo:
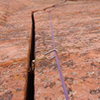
76 25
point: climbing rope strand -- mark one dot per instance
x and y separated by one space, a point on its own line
57 59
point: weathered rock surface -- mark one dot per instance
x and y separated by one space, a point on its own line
77 35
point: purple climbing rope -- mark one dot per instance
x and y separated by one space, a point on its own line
57 59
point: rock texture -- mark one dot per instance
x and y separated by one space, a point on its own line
77 28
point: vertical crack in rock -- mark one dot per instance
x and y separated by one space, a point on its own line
31 65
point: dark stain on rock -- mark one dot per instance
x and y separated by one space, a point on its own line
18 89
48 98
84 78
1 81
94 92
69 80
70 92
54 66
70 63
7 96
94 65
50 84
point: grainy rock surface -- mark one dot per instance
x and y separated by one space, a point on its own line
77 37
